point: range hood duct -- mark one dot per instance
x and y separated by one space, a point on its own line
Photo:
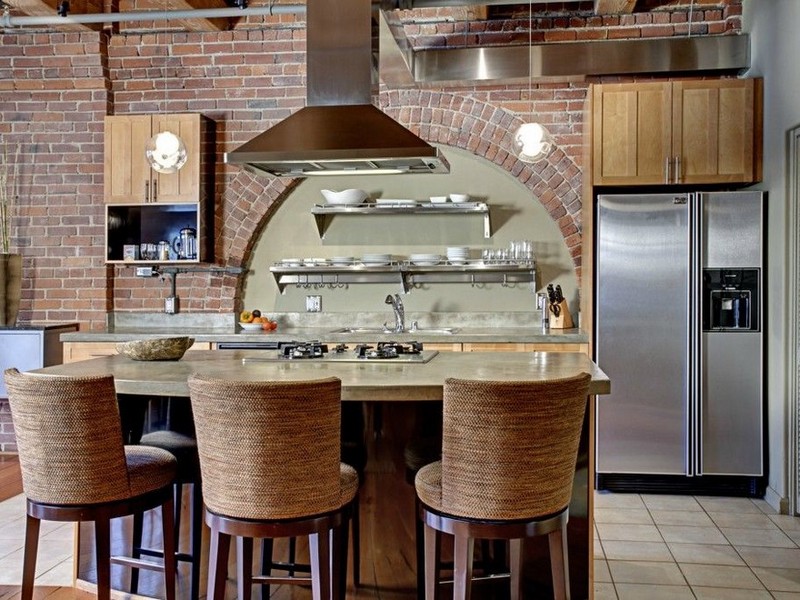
339 131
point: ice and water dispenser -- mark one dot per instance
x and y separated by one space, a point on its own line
731 299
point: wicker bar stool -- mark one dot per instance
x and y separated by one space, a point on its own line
270 467
508 461
75 468
354 453
179 440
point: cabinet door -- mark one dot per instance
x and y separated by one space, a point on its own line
127 172
714 132
631 132
183 186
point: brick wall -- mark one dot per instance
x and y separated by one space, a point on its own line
55 89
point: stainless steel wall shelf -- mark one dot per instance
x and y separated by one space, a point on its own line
404 273
324 213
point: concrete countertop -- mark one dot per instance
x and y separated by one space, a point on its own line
476 327
324 334
38 326
370 380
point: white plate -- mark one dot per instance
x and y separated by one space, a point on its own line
250 326
425 263
368 263
395 202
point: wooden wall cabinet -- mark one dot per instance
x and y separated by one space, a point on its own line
129 177
677 132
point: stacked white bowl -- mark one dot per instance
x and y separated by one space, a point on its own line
342 261
457 255
425 260
375 260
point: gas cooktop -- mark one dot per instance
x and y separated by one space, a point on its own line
405 352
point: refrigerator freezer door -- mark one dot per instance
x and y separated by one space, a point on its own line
731 420
731 229
642 333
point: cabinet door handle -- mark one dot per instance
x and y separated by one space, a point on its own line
667 169
147 191
155 191
677 169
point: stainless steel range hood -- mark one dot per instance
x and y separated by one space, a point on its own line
339 131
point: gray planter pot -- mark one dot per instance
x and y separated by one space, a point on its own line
10 287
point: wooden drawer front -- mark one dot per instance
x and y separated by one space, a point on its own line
494 347
75 351
584 348
455 347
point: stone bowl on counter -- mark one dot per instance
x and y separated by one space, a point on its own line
156 349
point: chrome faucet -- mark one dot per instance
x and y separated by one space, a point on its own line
399 313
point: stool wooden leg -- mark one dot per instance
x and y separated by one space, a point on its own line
430 567
244 567
559 562
356 542
29 561
515 567
197 538
463 550
266 564
138 527
339 537
102 548
218 564
420 545
319 547
292 556
167 531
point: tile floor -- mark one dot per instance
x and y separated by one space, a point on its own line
54 564
646 546
694 547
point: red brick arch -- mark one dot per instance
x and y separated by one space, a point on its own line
441 118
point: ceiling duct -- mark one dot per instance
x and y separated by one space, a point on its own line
339 131
402 65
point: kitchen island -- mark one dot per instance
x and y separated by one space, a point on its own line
377 381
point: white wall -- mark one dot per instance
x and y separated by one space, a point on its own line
775 47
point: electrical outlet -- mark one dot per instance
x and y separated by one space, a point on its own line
171 305
145 272
313 303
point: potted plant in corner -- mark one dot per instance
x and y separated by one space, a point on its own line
10 263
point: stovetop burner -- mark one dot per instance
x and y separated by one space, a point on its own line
387 349
312 349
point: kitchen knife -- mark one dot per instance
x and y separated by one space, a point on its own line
551 294
559 294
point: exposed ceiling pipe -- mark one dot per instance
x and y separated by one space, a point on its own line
6 20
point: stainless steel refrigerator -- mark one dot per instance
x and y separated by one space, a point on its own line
678 329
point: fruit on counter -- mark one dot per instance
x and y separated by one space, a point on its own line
268 325
256 313
246 316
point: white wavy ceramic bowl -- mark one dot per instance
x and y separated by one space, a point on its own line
458 198
352 196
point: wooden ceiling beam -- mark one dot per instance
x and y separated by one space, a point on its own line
193 24
614 7
49 8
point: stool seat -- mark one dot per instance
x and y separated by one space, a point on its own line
183 447
149 468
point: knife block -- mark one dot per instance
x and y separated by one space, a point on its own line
564 319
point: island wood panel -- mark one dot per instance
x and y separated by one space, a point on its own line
494 347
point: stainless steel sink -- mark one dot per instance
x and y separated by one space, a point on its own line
381 330
361 330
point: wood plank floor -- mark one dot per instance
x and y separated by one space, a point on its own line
10 478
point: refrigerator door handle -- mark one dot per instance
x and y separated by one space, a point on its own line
695 353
